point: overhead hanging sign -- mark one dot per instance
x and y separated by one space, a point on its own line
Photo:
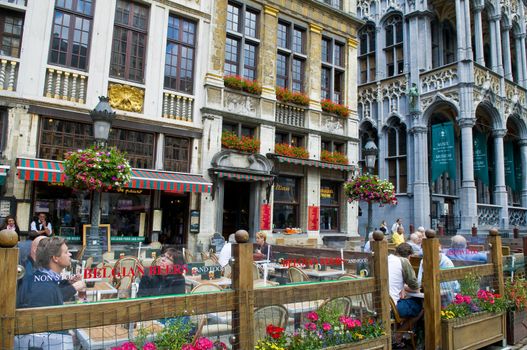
443 155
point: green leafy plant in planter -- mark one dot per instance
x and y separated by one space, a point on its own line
238 83
97 169
333 157
248 144
335 108
291 151
287 96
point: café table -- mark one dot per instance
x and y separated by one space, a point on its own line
99 289
324 274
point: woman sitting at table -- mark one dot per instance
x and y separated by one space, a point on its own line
263 251
167 278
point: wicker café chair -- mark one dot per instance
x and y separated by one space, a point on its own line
342 304
274 314
206 287
187 256
127 263
297 275
403 325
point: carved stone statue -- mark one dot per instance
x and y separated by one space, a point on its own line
413 96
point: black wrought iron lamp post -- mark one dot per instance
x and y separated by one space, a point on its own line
370 152
102 116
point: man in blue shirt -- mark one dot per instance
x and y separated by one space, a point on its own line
458 251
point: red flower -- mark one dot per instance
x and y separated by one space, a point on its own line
274 332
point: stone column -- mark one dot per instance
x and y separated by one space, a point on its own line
421 188
268 52
460 23
521 59
351 74
523 152
218 35
468 198
520 62
160 147
506 52
314 65
500 191
478 35
497 64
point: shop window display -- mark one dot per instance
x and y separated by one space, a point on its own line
286 203
329 206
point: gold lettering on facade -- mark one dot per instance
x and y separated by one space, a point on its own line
282 188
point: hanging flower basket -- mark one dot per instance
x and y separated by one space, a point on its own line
97 169
369 188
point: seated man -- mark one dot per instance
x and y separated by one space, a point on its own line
367 246
448 289
401 279
166 277
458 251
226 251
415 243
398 237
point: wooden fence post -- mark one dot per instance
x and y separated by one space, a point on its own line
242 283
496 258
8 280
430 282
380 266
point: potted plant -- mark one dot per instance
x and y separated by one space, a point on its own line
238 83
516 297
333 157
326 332
335 108
473 321
248 144
287 150
287 96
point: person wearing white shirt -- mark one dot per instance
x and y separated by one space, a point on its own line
226 251
396 225
41 225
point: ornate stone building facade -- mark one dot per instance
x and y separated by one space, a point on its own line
456 70
306 47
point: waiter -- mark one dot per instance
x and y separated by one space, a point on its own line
41 225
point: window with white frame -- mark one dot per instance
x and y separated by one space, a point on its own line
333 68
241 45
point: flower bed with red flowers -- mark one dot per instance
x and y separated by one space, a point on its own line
97 169
245 144
333 157
287 96
335 108
324 329
238 83
370 188
284 149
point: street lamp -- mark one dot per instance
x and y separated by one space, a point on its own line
370 152
102 116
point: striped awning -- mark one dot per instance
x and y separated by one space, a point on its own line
53 171
4 169
242 176
311 162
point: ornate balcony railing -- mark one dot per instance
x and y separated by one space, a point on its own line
290 115
438 79
176 106
517 216
8 74
514 93
66 85
488 215
486 79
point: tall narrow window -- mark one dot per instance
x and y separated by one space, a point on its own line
179 57
286 203
11 24
129 41
394 46
332 74
290 58
177 154
329 205
241 45
367 54
70 41
396 159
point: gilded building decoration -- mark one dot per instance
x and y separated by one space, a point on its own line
484 78
126 98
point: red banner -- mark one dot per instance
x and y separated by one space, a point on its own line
265 217
313 215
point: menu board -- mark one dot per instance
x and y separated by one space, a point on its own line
313 214
265 217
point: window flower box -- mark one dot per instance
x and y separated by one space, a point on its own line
333 157
335 108
284 149
286 96
473 332
236 82
247 144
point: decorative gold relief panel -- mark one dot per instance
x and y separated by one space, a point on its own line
126 98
